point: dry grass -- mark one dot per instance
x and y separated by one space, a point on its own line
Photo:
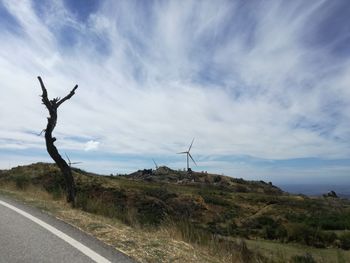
164 244
283 252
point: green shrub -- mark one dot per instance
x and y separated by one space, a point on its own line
271 229
53 182
302 233
151 211
217 179
265 221
216 228
328 237
95 205
299 232
345 241
57 192
22 181
241 188
187 207
337 221
231 213
274 233
306 258
160 193
213 198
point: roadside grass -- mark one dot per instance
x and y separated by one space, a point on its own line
165 244
281 252
172 242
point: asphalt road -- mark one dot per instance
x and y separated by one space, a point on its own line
28 235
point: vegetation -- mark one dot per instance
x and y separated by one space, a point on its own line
206 210
307 258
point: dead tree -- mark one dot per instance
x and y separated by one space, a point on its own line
52 106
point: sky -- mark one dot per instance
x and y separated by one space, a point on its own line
262 86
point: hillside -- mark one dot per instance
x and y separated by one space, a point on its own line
200 205
164 174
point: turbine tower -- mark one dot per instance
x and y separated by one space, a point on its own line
155 163
188 155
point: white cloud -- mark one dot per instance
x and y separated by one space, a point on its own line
91 145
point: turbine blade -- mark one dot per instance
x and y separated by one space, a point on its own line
68 159
76 163
192 159
181 153
189 149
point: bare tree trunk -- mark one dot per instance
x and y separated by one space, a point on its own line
52 106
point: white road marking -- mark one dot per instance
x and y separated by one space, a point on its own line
84 249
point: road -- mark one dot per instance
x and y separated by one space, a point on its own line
28 235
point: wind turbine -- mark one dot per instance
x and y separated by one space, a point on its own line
69 162
188 155
155 163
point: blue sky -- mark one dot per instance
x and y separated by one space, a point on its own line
263 86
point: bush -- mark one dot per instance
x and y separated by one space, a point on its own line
245 254
328 237
57 192
187 206
241 188
274 233
307 258
212 198
95 205
271 229
217 179
22 181
303 233
151 211
160 193
330 221
53 182
345 241
299 232
265 221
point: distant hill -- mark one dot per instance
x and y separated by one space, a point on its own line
200 204
317 189
164 174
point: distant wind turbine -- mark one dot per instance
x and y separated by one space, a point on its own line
155 163
69 162
188 155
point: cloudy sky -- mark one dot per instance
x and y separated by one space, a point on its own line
262 86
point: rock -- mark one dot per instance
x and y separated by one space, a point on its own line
331 194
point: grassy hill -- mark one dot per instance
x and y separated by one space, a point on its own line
206 209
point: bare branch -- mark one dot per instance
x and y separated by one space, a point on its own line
44 97
68 96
